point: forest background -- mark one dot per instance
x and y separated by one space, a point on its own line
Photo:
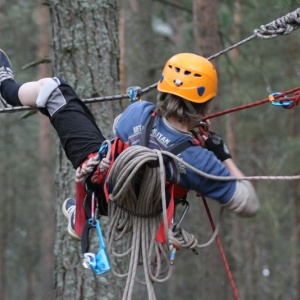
38 260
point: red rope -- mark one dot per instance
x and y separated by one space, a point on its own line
281 97
222 253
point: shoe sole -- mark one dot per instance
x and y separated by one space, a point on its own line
71 232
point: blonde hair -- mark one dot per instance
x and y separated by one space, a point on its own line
169 105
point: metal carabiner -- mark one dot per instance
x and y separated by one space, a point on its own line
103 151
275 102
204 125
94 208
187 206
133 92
99 262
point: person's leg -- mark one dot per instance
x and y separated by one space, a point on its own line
29 91
16 94
71 118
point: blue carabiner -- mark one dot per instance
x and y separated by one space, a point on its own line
99 263
102 151
279 103
102 263
133 92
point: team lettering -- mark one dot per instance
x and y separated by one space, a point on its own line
159 136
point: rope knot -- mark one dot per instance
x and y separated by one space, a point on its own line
295 100
181 238
281 26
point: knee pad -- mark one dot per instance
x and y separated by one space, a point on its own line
50 96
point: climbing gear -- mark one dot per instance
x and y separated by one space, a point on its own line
99 262
189 76
68 209
142 204
133 93
276 102
148 201
139 210
177 224
283 96
89 179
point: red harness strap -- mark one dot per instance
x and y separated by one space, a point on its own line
175 192
117 147
80 216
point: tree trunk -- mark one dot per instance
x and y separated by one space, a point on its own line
233 222
138 46
207 43
86 54
206 27
207 40
46 184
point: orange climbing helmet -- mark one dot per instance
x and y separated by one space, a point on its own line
189 76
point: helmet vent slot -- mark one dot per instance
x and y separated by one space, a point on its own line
177 69
178 82
187 72
197 75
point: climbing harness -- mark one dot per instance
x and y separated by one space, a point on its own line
145 236
141 210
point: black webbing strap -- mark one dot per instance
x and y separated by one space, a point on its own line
147 130
174 149
178 148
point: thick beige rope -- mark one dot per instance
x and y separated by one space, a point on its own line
136 216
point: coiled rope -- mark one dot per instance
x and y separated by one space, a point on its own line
136 216
281 26
138 207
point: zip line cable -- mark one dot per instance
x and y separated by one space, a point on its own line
281 26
